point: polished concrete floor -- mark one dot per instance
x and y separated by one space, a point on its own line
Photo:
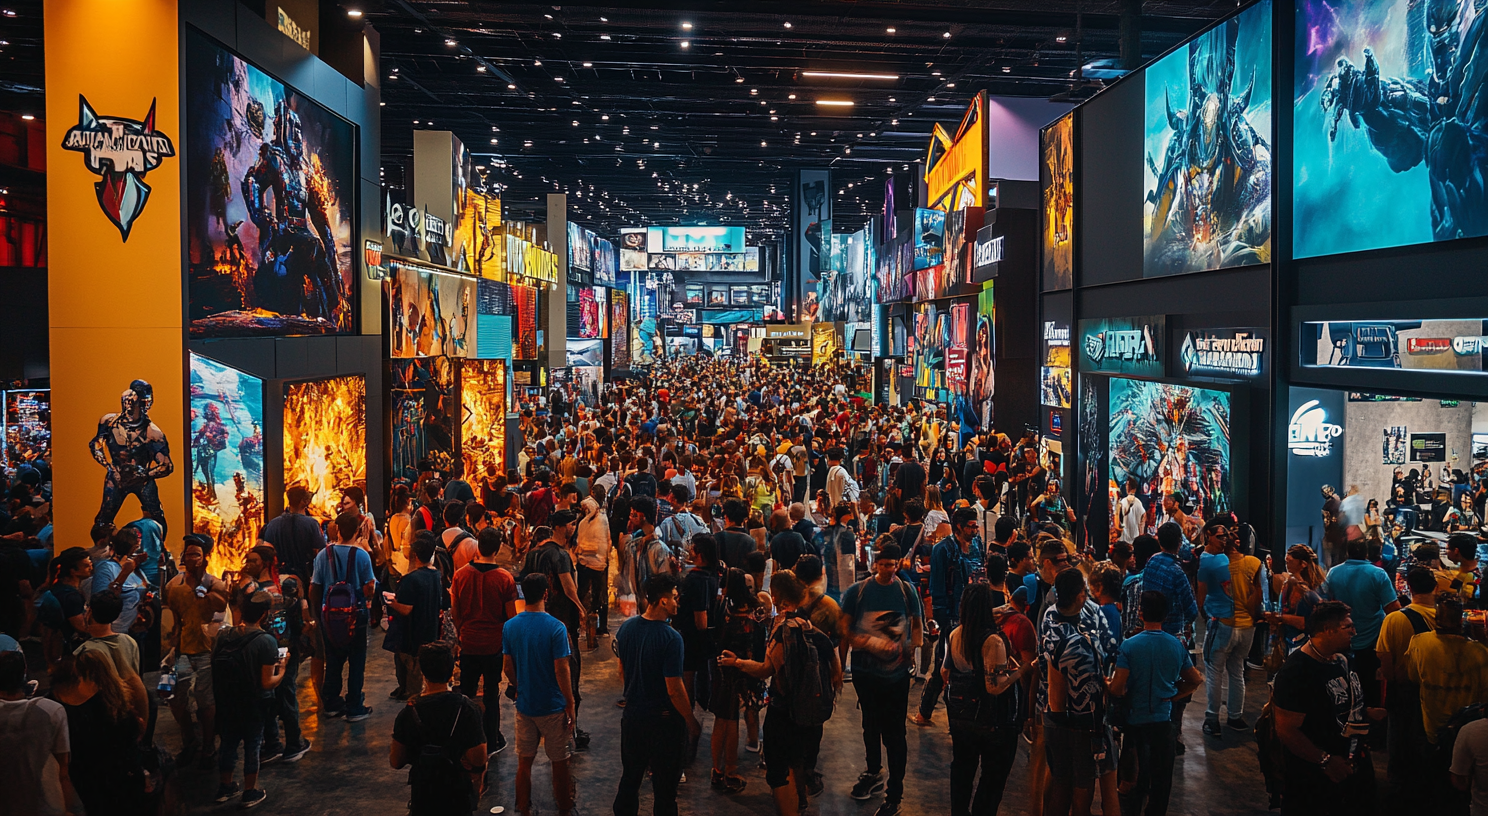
347 773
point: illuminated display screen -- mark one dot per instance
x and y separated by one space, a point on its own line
1172 439
325 439
483 416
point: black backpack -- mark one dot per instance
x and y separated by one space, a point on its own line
235 681
804 680
971 710
440 784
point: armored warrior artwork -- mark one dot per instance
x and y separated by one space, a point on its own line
1211 206
134 453
210 439
1171 439
1440 119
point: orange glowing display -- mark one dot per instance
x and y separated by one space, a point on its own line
325 439
483 415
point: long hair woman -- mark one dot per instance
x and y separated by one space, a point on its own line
1297 596
104 734
733 690
980 671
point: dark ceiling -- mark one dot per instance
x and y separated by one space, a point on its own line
660 113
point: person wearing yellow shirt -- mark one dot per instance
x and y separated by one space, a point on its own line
1466 580
1407 740
1451 670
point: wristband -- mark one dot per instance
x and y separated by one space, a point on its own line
1322 763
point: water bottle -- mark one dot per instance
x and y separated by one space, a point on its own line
167 687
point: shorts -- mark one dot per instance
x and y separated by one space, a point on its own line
194 677
1069 753
551 730
787 746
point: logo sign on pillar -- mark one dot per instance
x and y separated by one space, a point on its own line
1309 433
1224 352
372 258
1123 345
121 152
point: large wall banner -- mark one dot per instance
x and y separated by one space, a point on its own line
813 211
1123 345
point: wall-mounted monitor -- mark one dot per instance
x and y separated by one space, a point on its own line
695 239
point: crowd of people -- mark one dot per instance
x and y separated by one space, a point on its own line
751 540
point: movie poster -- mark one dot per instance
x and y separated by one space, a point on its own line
422 393
1057 175
1207 166
984 360
619 330
1095 511
483 416
325 439
227 465
846 292
812 228
28 428
430 313
478 237
524 343
606 261
1395 444
929 238
1172 439
270 202
585 359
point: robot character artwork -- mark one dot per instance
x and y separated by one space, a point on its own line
1172 439
270 181
1208 165
1391 117
134 453
227 486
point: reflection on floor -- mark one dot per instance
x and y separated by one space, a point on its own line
347 773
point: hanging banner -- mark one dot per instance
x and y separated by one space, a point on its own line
813 214
1124 345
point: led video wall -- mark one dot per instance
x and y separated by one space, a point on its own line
227 460
483 416
1171 439
28 427
422 393
325 439
1057 177
431 313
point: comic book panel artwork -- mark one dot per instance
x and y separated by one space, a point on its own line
430 313
1207 164
483 416
227 460
325 439
478 238
524 344
619 330
1172 439
1058 177
948 368
423 391
1390 133
270 202
28 428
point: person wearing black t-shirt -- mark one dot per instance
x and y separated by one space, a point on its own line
735 543
700 588
450 783
419 600
551 558
1321 721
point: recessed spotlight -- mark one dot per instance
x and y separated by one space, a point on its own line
762 144
934 73
893 121
353 13
575 123
588 65
450 43
950 84
739 79
687 26
548 16
891 29
1061 38
604 36
557 79
813 133
537 63
787 25
481 68
604 19
604 117
510 87
686 44
774 118
946 35
891 99
753 91
931 99
493 141
1006 69
28 117
557 36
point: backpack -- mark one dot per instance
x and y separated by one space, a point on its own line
643 561
437 778
433 521
971 710
235 682
849 484
675 536
340 608
804 681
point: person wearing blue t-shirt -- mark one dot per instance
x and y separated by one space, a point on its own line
335 564
535 651
1152 668
1370 595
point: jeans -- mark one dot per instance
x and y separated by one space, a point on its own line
935 684
1225 649
657 742
249 732
594 591
284 706
473 667
355 654
1153 745
885 704
995 753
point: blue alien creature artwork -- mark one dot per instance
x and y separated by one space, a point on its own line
227 458
1390 125
1207 179
1171 439
270 192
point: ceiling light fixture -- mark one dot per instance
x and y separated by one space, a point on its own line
687 26
604 117
753 91
686 44
739 79
1061 38
588 65
557 36
946 35
510 87
604 36
450 43
787 25
891 29
835 103
28 117
1007 69
848 75
481 68
353 13
557 79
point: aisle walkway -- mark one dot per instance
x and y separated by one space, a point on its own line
347 773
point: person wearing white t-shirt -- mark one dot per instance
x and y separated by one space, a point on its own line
1133 515
1470 764
35 743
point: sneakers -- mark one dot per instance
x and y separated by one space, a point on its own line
869 784
228 791
887 809
397 694
752 747
332 712
581 739
253 797
270 755
734 784
1211 728
358 715
922 721
1238 723
299 753
815 784
498 746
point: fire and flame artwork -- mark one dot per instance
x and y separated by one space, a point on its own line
1058 177
483 415
325 439
422 391
524 344
1171 439
227 464
270 201
430 313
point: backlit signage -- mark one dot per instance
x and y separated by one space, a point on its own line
1128 345
1224 352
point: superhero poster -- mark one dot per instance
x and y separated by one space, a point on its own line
1171 439
270 202
1057 177
1390 132
227 460
325 439
430 313
1207 167
423 393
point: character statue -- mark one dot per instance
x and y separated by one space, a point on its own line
134 453
209 440
1440 120
297 272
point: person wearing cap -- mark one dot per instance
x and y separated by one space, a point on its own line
242 702
197 600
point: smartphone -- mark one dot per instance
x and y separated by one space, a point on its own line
283 652
389 597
